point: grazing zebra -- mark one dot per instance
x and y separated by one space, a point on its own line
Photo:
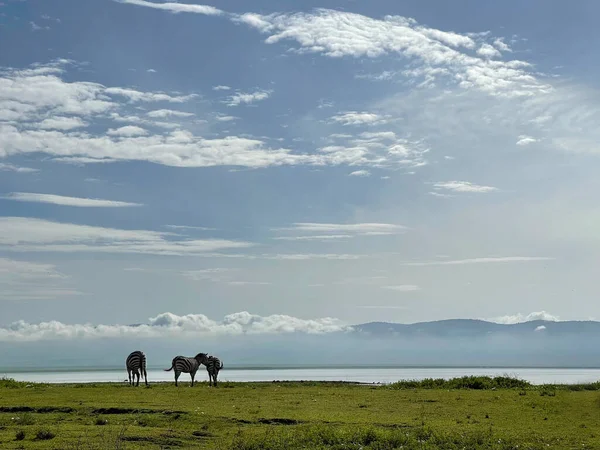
136 364
187 365
213 365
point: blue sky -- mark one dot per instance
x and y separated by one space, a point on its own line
399 161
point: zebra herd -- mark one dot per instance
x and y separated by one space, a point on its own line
136 366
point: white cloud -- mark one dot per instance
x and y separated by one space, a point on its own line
39 93
176 7
225 118
403 288
66 201
520 318
360 118
166 113
168 324
151 71
488 51
377 149
138 96
360 173
501 45
24 280
12 168
221 88
36 27
247 98
62 123
464 186
500 259
540 328
127 131
526 140
434 53
21 234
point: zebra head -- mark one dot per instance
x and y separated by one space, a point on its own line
202 358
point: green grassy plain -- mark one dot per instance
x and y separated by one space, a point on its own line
467 413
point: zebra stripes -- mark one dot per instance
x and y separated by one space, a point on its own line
136 364
213 365
183 364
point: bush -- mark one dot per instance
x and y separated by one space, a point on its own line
44 435
101 421
469 382
20 435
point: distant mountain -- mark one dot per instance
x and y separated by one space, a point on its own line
474 328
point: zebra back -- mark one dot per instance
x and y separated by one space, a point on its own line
136 360
214 364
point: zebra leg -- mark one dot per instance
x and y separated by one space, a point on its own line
129 375
145 376
193 375
137 374
216 375
177 377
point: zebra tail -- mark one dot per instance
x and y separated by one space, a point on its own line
169 369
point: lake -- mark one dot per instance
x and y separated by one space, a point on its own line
361 375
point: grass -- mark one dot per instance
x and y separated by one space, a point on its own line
464 413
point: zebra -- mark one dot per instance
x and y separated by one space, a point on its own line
136 364
187 365
213 365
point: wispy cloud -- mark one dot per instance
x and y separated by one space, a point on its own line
403 288
526 140
221 88
12 168
347 228
24 280
325 237
176 7
247 98
168 324
65 201
188 227
499 259
21 234
463 186
166 113
360 173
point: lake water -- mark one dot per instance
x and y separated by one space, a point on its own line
361 375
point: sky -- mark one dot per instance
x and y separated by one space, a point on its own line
234 167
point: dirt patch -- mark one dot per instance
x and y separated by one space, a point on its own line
43 409
202 434
163 442
279 421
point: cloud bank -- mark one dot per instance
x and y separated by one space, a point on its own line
172 325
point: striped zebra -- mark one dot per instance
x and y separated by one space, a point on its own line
136 364
183 364
213 365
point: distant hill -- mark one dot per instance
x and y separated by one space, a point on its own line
474 328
